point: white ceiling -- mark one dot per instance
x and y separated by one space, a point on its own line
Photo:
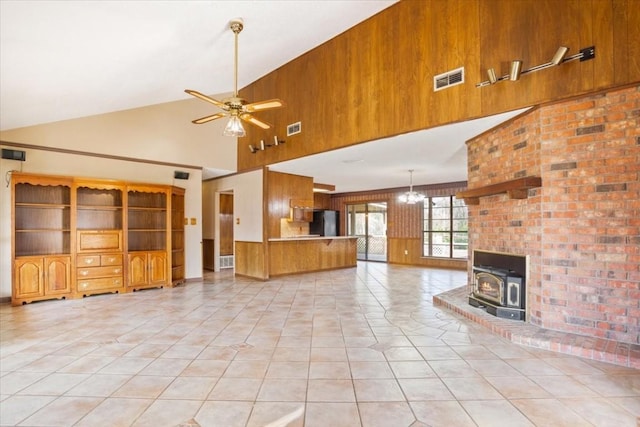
67 59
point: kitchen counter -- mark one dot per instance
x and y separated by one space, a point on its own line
303 254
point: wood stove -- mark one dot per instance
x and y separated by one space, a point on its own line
498 284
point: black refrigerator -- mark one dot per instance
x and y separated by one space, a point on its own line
325 223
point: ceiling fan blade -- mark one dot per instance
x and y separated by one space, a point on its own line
206 98
249 118
263 105
209 118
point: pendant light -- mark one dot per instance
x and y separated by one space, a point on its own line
411 197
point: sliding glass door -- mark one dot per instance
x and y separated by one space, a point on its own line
368 221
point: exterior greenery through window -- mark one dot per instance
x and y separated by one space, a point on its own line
445 228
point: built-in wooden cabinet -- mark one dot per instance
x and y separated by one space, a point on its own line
148 236
36 278
99 240
41 238
147 269
177 235
74 237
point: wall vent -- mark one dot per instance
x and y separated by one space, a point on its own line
294 128
226 261
448 79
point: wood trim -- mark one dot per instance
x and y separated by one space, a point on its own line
102 156
515 189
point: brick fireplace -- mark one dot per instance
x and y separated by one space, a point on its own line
580 229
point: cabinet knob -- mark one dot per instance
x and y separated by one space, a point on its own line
83 272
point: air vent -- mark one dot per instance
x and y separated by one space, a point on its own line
226 261
450 78
294 128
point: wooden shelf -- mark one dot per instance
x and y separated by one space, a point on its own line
515 189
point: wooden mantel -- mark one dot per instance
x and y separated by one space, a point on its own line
515 189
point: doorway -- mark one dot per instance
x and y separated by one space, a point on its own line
368 222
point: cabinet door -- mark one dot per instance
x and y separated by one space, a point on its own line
157 267
28 280
137 269
57 278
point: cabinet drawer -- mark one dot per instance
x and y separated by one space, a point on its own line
99 240
88 260
114 259
91 272
98 284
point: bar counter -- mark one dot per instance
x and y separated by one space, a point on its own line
302 254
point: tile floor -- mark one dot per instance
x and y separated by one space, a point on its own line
354 347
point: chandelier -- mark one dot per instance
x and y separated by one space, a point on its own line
411 197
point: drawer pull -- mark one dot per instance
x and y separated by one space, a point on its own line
88 261
112 259
117 270
84 272
84 285
116 282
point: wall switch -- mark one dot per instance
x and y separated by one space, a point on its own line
237 221
186 221
193 221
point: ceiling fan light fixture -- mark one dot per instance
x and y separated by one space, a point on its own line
234 127
234 107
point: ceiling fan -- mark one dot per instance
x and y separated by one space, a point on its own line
234 107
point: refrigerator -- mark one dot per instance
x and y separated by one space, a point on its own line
325 223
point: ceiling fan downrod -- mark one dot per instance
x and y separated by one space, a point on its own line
236 26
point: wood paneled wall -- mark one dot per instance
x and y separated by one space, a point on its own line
226 224
281 188
251 260
404 222
376 79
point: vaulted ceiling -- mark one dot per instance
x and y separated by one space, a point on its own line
68 59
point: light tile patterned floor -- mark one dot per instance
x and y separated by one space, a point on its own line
353 347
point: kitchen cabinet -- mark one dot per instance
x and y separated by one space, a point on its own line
300 210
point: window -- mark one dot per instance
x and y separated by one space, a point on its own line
445 225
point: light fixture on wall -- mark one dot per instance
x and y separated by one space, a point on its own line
411 197
263 146
516 70
560 57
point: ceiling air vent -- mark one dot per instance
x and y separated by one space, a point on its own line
450 78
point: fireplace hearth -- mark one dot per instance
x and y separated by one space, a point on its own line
498 284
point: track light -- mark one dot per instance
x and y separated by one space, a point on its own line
262 146
491 73
559 58
516 69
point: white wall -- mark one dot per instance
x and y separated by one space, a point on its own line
54 163
248 213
